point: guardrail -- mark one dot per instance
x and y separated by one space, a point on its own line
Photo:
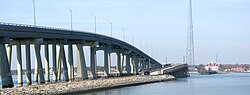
32 26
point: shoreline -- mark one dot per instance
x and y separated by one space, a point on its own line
85 86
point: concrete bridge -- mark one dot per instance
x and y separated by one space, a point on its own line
177 70
56 41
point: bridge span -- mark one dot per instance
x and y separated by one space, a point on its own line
52 39
177 70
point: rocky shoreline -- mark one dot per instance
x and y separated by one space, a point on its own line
83 86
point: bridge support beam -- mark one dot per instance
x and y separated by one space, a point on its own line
54 62
46 61
81 66
39 66
128 67
107 60
28 64
59 64
118 65
93 61
143 65
136 65
9 53
19 65
70 62
132 64
63 59
123 59
6 76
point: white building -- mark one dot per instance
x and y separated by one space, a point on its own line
212 66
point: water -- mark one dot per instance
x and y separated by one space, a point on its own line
218 84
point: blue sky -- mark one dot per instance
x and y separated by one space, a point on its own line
221 27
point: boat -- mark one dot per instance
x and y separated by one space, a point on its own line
211 68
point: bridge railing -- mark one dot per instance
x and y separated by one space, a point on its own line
32 26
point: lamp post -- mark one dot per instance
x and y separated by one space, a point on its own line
133 40
71 18
95 21
111 29
123 35
34 12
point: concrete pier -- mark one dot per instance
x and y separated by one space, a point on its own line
93 61
28 65
6 76
106 60
63 60
82 70
39 63
54 62
70 62
118 63
128 67
46 61
19 65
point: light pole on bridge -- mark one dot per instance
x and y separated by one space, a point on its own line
34 12
123 35
111 30
94 21
71 19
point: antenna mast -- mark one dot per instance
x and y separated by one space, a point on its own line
190 42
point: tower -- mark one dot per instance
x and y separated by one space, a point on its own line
190 42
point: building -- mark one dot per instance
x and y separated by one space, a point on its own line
212 66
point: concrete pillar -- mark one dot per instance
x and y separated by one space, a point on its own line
39 62
128 67
149 64
28 65
6 76
109 61
65 67
106 60
81 68
54 62
143 65
132 64
9 54
140 64
136 65
93 61
46 60
118 63
123 58
59 65
19 65
70 62
36 71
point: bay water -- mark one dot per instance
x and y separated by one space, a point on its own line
216 84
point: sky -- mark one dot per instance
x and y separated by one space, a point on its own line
159 27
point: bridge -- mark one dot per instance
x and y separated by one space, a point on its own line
56 41
177 70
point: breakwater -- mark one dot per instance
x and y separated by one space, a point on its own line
85 85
